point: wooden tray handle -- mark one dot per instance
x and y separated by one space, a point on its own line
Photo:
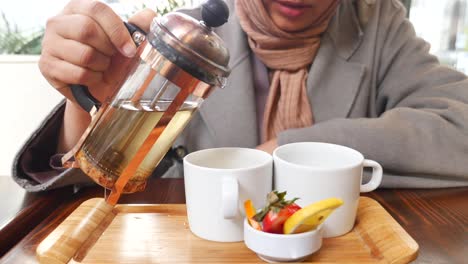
88 218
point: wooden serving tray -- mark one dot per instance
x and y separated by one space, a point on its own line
160 234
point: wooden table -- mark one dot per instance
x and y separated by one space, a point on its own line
436 219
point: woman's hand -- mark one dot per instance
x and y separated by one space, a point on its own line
87 43
80 44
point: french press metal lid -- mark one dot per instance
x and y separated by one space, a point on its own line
192 44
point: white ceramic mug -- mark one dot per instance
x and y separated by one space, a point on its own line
217 182
314 171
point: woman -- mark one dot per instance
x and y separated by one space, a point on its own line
349 72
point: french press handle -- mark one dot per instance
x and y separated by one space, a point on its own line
81 92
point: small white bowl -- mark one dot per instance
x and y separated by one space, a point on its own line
282 248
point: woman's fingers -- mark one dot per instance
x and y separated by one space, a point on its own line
109 21
65 72
83 55
80 44
82 29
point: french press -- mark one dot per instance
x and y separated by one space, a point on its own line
178 64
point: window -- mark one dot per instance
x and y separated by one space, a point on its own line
444 24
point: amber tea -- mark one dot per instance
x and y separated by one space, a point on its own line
119 134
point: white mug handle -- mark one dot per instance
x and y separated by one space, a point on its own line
230 197
376 179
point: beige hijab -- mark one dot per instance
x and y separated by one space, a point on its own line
288 55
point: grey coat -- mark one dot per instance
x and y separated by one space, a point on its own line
373 86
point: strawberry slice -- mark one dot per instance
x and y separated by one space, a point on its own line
276 212
274 221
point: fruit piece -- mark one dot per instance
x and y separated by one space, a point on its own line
274 221
311 216
249 209
275 213
255 224
250 213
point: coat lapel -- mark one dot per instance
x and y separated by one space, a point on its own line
230 113
333 82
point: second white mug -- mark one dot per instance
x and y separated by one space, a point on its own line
314 171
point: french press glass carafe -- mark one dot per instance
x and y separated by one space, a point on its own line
180 61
